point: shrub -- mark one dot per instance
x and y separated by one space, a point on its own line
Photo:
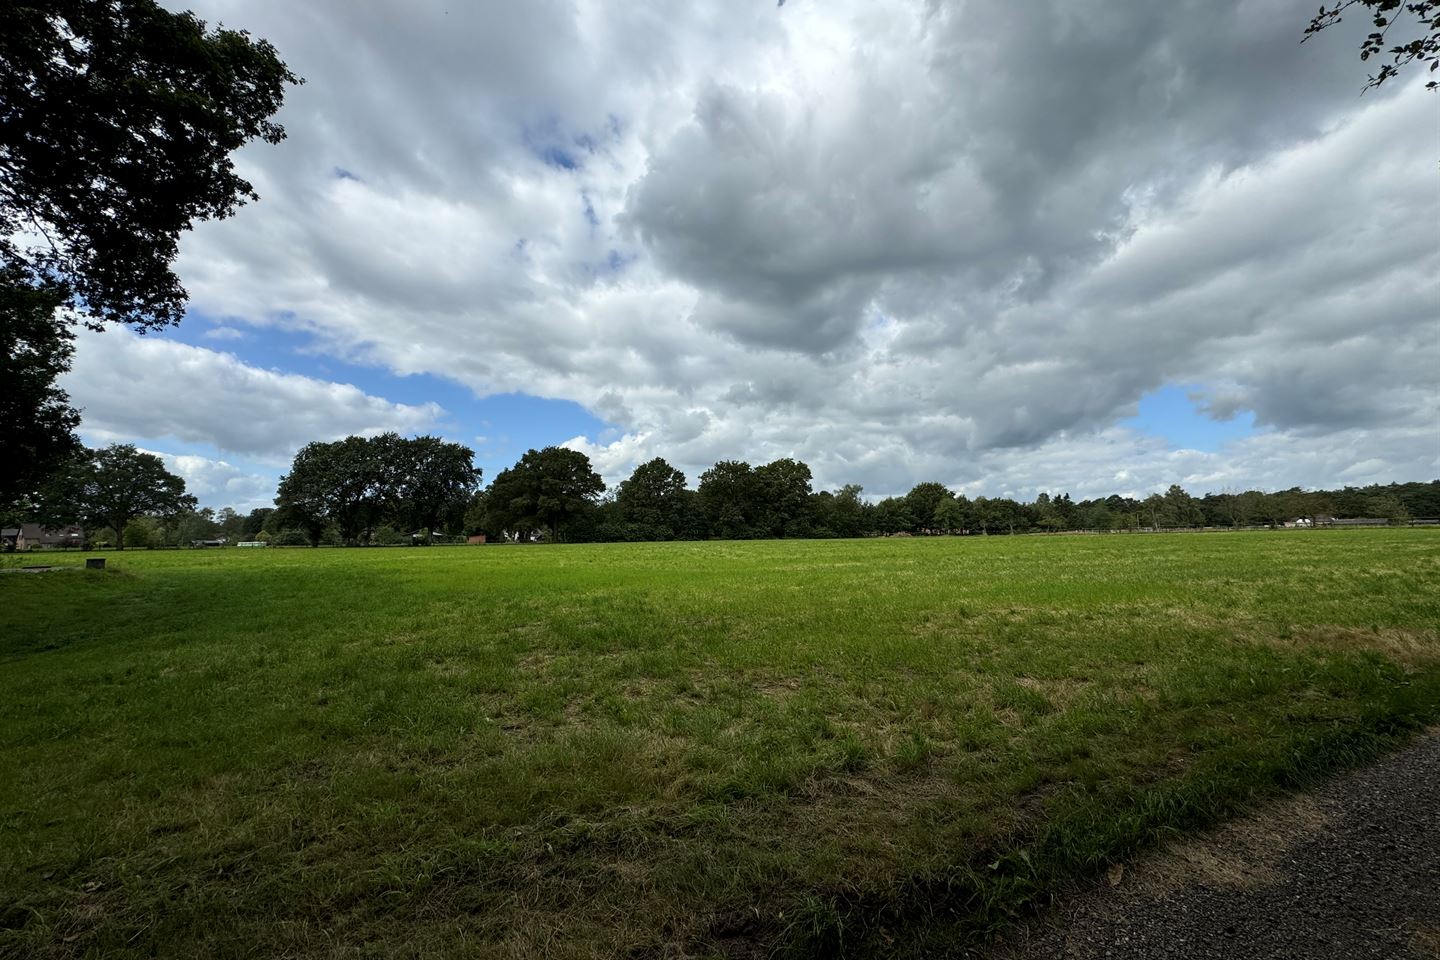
292 537
142 533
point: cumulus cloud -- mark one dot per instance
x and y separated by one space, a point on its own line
130 387
904 240
217 483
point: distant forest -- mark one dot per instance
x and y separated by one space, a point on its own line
389 490
386 490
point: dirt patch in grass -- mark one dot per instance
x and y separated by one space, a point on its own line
1426 941
776 688
1414 648
1249 852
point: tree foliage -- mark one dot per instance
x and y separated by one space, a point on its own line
653 503
355 491
783 491
921 502
1421 43
729 500
115 485
839 514
37 423
434 481
547 490
257 521
360 483
118 119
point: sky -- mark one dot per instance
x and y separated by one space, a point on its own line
1094 246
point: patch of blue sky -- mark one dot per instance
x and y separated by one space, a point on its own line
612 266
499 427
550 144
502 426
340 173
557 157
559 148
1172 414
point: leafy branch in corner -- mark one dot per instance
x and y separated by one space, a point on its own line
1385 13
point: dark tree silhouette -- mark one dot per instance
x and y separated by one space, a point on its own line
1423 44
118 119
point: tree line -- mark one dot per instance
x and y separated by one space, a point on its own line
354 491
735 500
388 489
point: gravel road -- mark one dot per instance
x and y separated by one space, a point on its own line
1351 872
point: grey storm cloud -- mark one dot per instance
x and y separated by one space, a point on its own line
901 240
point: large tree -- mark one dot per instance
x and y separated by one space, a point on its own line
359 483
848 515
951 514
303 498
37 423
435 480
548 489
119 483
118 119
783 487
921 502
653 501
729 498
352 483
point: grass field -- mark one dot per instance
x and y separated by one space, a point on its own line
886 747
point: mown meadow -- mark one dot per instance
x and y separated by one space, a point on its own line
884 747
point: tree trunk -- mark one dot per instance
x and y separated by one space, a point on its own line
119 534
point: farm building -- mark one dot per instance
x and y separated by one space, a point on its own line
32 536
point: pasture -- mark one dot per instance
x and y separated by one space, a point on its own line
880 747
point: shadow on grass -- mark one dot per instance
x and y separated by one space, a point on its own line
968 905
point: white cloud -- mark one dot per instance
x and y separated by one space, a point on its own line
899 240
225 333
216 483
131 387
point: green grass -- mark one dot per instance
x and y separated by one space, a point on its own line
786 748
